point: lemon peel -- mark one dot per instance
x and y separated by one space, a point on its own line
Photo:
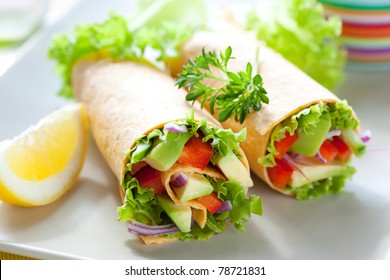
42 164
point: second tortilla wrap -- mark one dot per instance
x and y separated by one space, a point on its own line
289 89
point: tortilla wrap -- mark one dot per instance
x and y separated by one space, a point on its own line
125 100
289 89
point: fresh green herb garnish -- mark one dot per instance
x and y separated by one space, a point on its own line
239 93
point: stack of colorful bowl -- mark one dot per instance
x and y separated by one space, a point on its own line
366 31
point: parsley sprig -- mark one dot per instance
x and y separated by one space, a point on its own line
239 93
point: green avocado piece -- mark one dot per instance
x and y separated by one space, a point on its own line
140 152
353 141
309 144
164 153
234 169
179 214
312 173
197 185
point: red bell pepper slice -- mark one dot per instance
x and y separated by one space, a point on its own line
328 151
280 174
196 153
283 145
343 151
148 177
211 202
138 166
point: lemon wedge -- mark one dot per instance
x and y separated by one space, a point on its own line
40 165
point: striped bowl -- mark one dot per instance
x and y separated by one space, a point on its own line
366 31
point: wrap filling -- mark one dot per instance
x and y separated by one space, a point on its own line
185 180
309 153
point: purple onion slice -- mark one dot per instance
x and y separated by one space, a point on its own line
293 163
320 157
365 136
176 128
179 179
146 230
141 225
226 206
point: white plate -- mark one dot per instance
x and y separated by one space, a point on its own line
83 225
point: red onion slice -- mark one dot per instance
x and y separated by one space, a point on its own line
179 179
292 162
141 225
146 230
320 157
226 206
365 136
297 158
175 128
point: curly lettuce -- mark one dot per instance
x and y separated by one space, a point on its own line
140 204
299 31
153 37
331 185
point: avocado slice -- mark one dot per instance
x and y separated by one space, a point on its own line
140 152
309 144
312 173
353 141
164 153
179 214
233 169
197 185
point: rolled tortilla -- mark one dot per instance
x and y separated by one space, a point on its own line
289 89
125 100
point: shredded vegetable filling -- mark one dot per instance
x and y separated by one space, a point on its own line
309 154
185 181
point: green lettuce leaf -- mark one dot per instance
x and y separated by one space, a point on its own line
182 12
243 206
299 31
153 37
139 204
342 116
331 185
